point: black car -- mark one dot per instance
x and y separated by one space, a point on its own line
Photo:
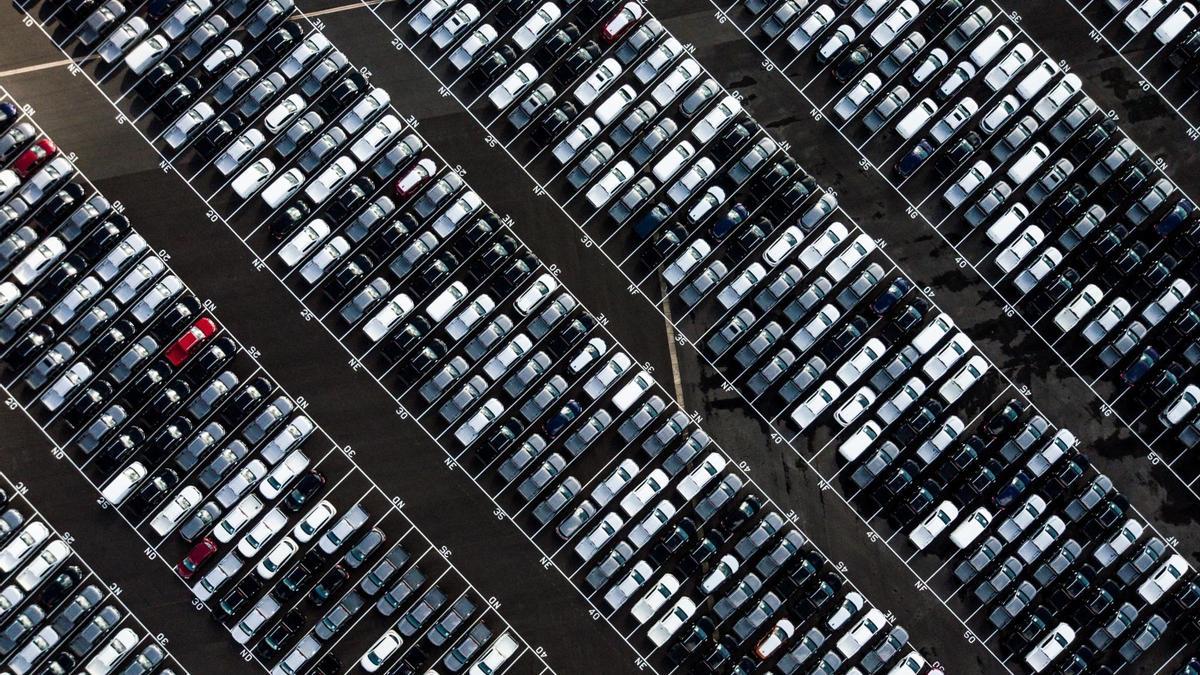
286 222
305 488
349 200
842 340
175 317
152 492
499 440
219 134
240 596
342 94
166 440
31 345
160 78
957 152
511 10
328 586
273 47
115 454
512 275
179 97
576 63
554 45
401 341
59 205
60 587
491 66
572 333
87 404
851 64
774 177
554 123
281 634
245 400
298 577
669 240
349 275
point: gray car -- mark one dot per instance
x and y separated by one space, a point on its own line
544 398
80 606
99 22
531 369
757 616
337 618
980 558
94 631
758 344
462 610
529 450
207 398
653 141
443 379
531 105
19 628
807 647
201 520
1120 345
1001 579
319 152
465 650
557 500
226 459
415 618
737 596
272 415
377 289
592 162
298 133
551 467
397 595
363 548
204 440
373 581
733 330
879 461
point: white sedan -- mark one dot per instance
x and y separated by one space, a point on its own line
456 23
933 525
513 86
282 114
429 13
672 621
598 81
303 242
967 376
188 124
330 179
253 177
147 53
386 319
536 26
282 188
808 411
613 180
179 506
1070 316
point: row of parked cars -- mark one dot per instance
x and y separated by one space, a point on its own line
1087 232
933 512
1168 28
56 616
187 438
440 297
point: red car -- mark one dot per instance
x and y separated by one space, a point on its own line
189 341
32 159
622 22
202 551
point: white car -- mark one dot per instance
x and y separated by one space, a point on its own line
856 405
1012 255
721 572
503 94
945 358
966 376
262 533
316 267
454 25
536 26
864 89
116 44
237 518
1174 24
479 39
638 575
861 361
479 422
304 242
282 188
600 79
1181 407
1153 589
376 138
253 177
37 261
655 598
579 136
314 521
686 261
885 31
693 483
147 53
277 481
915 119
330 179
1070 316
190 122
613 180
862 632
808 411
384 648
812 26
971 527
430 12
858 442
672 621
113 652
1037 79
276 558
123 483
933 525
1037 270
492 661
15 552
41 565
239 150
177 508
1050 647
1144 14
284 113
721 114
1012 63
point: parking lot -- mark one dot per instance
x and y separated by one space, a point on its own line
681 337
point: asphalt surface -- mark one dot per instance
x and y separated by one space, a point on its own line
492 554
